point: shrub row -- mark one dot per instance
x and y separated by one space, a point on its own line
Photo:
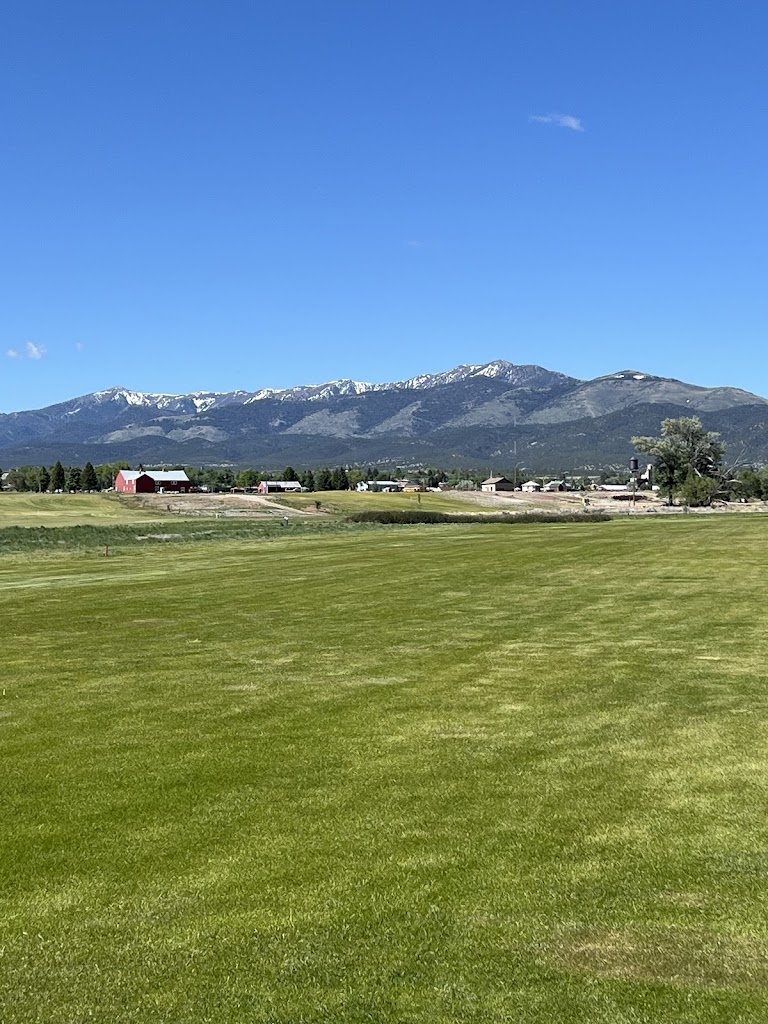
176 531
394 516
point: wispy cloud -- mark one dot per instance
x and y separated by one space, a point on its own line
79 346
30 351
561 120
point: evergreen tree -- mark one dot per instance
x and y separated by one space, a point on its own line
323 480
44 479
308 480
289 473
90 480
57 477
339 479
73 478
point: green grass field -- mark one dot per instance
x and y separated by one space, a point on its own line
356 501
27 509
414 774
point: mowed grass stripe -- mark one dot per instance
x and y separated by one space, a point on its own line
441 774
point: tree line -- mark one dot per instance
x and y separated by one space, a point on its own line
326 478
59 478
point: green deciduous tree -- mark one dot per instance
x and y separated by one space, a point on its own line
19 480
107 471
698 490
248 478
685 450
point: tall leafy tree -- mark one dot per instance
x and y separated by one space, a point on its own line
57 477
247 478
44 479
107 471
289 473
308 480
18 479
684 450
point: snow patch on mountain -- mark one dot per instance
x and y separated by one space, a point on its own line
204 401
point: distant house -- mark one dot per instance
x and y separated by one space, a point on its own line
555 485
152 482
411 485
378 485
279 487
531 486
497 483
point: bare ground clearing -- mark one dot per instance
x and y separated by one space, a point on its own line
599 501
220 506
257 506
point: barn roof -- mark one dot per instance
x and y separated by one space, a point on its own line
176 476
497 480
173 476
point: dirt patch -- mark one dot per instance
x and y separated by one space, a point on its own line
675 955
220 506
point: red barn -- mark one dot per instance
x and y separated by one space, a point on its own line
150 482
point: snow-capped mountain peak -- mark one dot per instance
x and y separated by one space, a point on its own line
203 401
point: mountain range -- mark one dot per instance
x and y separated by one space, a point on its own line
494 414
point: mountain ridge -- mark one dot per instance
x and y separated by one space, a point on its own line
469 413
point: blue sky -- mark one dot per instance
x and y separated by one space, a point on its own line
250 194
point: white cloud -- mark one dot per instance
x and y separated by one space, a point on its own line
34 351
561 120
30 351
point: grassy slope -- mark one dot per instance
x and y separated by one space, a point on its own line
69 510
356 501
421 774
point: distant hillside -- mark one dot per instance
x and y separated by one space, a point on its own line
496 413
